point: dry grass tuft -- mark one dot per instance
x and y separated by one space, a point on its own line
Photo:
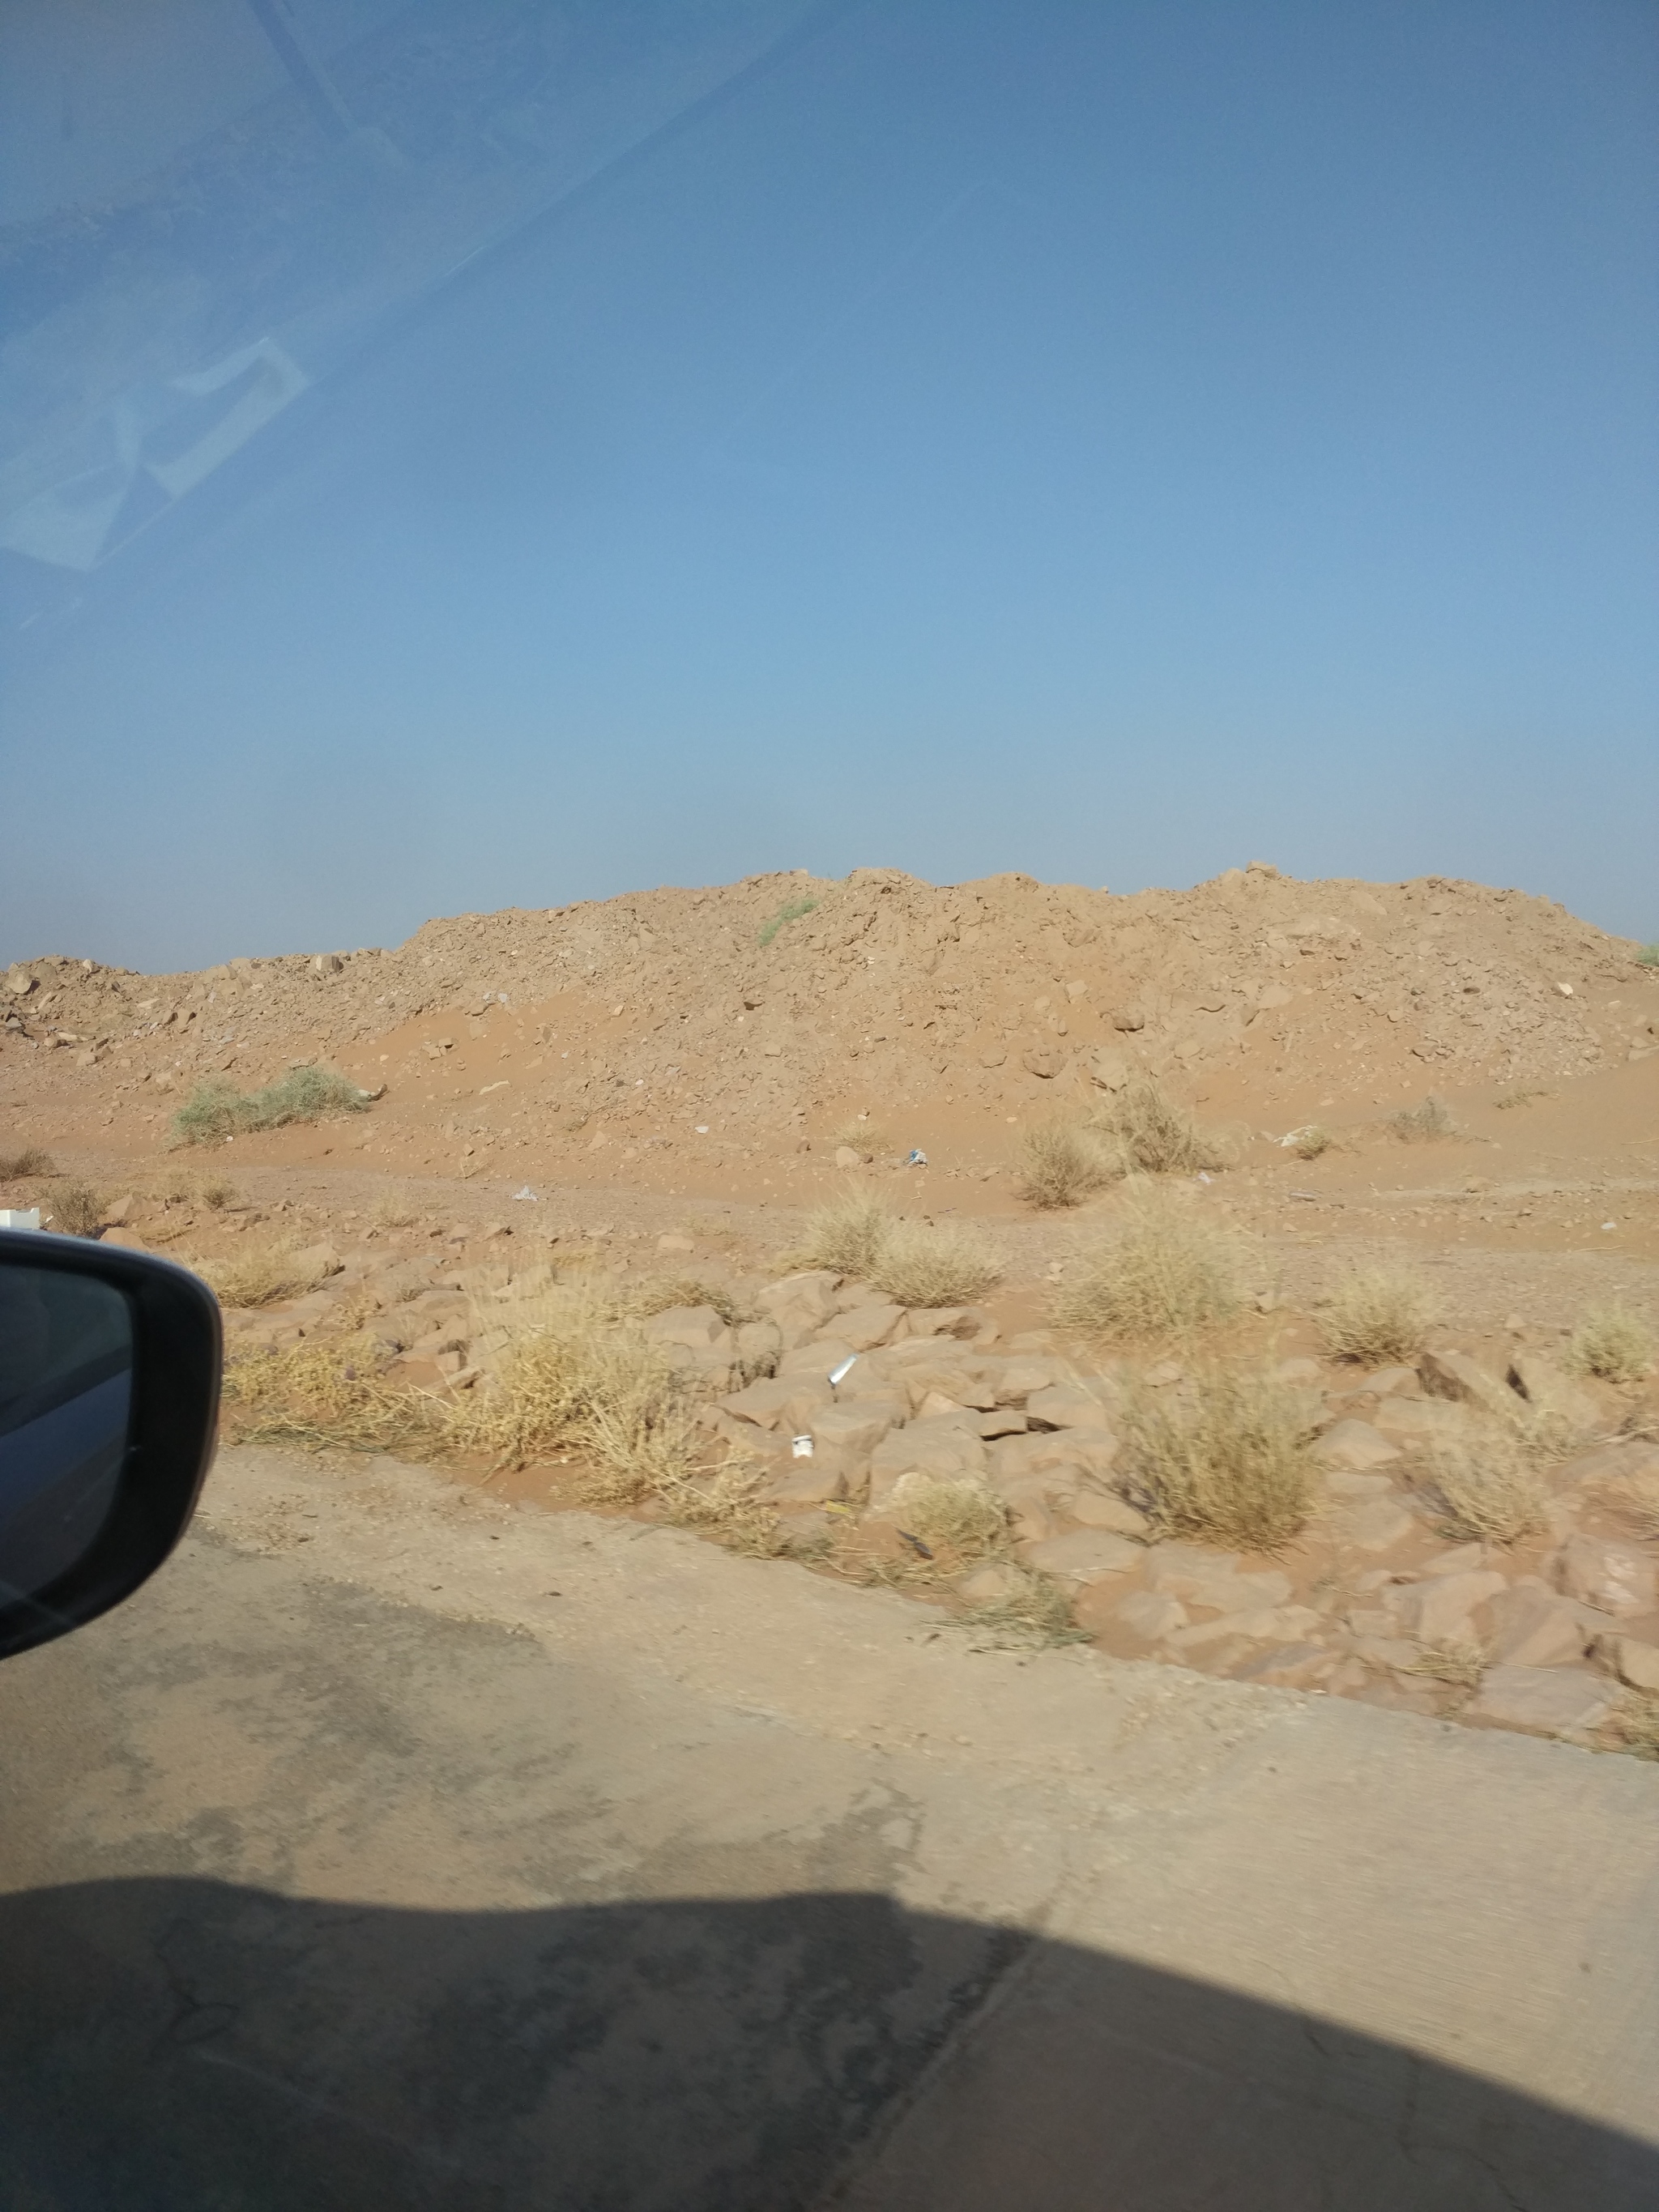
1061 1165
394 1209
1037 1613
1163 1272
846 1235
77 1210
862 1136
1154 1136
258 1276
1518 1094
959 1518
576 1374
325 1394
1375 1314
1223 1458
657 1294
1313 1142
218 1109
31 1161
919 1264
1489 1487
216 1193
1459 1666
1424 1124
1613 1343
1634 1728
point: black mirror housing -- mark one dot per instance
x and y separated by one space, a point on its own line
137 1340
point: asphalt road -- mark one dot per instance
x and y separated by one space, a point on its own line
348 1866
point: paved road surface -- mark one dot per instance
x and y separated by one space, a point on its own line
350 1868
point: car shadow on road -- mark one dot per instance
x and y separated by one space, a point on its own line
186 2046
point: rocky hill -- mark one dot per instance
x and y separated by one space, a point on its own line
762 1001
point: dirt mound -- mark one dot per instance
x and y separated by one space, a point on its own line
764 1007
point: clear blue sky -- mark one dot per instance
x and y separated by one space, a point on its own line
1115 439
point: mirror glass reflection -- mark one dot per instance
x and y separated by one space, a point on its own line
65 1400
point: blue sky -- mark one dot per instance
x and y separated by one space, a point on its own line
1116 441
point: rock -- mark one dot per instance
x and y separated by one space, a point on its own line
1532 1627
1043 1060
1127 1019
1339 1484
763 1403
989 1585
801 1303
1005 1421
1551 1390
846 1158
1389 1383
1212 1581
852 1429
1542 1700
1461 1560
1107 1069
818 1358
673 1242
127 1240
993 1056
1090 1451
1421 1419
1067 1406
1615 1576
866 1326
1289 1667
1398 1652
326 963
1099 1508
1633 1661
1440 1610
318 1261
1259 1624
1374 1524
815 1481
936 1448
759 1346
697 1327
1354 1446
1453 1375
1016 1377
1150 1613
1631 1465
1085 1555
1030 1517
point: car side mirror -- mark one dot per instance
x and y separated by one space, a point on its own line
109 1404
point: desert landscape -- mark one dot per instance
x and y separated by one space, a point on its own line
1259 1278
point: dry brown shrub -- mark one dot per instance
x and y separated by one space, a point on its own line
845 1236
324 1393
1225 1457
1489 1486
1634 1727
77 1210
862 1136
575 1374
959 1517
31 1161
1459 1666
920 1264
217 1193
656 1294
1154 1136
258 1275
1061 1164
1374 1314
395 1209
1425 1124
1035 1614
1313 1142
1164 1271
1613 1343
